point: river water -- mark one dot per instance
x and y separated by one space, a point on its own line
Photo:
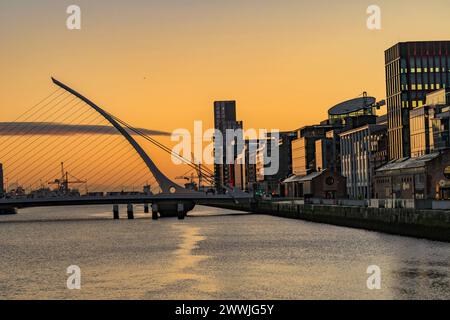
214 254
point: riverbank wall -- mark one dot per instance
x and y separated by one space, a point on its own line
428 224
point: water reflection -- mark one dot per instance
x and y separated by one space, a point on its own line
210 256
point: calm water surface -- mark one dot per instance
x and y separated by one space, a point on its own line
215 254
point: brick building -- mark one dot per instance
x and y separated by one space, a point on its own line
421 178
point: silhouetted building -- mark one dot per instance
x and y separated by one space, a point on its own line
240 171
413 69
268 183
251 149
225 119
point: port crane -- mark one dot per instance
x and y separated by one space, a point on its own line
200 170
63 183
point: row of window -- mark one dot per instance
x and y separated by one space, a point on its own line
425 70
425 86
383 181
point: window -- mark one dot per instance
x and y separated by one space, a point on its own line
329 181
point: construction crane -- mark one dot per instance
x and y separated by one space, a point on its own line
191 181
64 183
203 173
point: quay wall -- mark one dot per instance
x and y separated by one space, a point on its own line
428 224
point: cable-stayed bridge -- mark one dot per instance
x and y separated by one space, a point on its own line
103 154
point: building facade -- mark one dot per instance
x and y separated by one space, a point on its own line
328 151
272 183
304 148
363 150
413 69
422 178
430 124
225 119
319 185
421 130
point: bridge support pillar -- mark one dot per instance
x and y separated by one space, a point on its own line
181 212
155 211
116 212
8 211
146 209
130 211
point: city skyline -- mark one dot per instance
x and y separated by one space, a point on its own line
250 151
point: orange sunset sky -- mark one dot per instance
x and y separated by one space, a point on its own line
161 64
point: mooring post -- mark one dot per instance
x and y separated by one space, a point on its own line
130 211
116 212
181 214
154 211
146 209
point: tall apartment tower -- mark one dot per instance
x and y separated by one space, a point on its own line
224 118
2 185
413 69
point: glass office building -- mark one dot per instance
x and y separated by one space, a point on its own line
430 125
413 69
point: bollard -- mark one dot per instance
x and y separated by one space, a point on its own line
180 211
130 211
146 209
116 212
155 211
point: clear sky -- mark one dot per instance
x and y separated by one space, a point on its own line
161 64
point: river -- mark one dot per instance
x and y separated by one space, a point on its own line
213 254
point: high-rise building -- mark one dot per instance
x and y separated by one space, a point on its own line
413 69
2 185
225 119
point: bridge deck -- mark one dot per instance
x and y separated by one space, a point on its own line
125 199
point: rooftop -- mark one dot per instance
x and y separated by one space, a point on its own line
351 106
409 163
306 178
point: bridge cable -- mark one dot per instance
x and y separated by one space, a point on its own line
29 124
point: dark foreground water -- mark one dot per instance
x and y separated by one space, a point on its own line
211 255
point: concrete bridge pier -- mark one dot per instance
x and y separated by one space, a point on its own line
155 215
180 211
116 212
7 210
146 208
130 211
175 208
